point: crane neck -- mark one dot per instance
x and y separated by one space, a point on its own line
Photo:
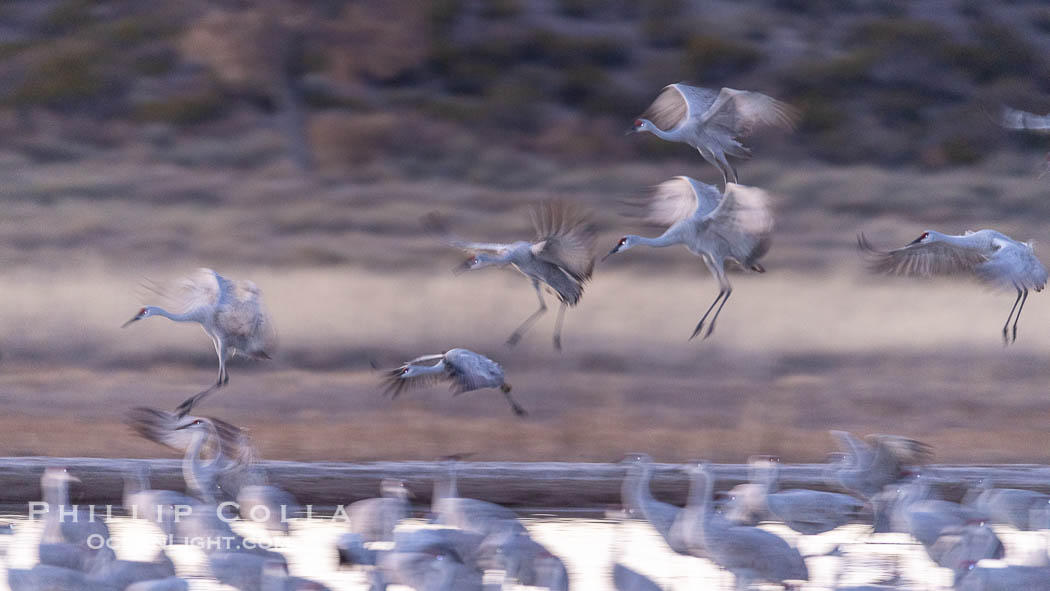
668 238
183 317
197 472
672 135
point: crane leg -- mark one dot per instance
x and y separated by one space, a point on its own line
1018 315
518 332
223 379
557 326
514 406
722 293
711 327
1006 327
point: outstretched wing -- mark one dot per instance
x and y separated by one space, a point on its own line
924 259
437 228
677 103
1014 119
395 381
744 220
241 312
158 426
564 237
741 111
905 450
669 202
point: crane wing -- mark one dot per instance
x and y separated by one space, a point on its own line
437 228
744 220
677 103
234 444
564 237
1014 119
670 202
394 383
241 312
740 111
905 450
859 451
922 259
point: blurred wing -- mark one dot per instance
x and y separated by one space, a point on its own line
670 202
744 220
158 426
669 109
394 384
740 111
437 228
922 259
241 312
905 450
199 293
1014 119
859 451
564 237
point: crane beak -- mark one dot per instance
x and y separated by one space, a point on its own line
630 131
138 317
611 252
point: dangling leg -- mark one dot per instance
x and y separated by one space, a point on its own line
725 289
224 378
700 325
516 335
728 172
1018 315
514 406
557 326
711 328
1006 340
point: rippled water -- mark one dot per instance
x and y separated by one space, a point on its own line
588 547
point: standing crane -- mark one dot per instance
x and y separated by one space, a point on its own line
735 226
464 369
712 121
561 257
993 257
232 315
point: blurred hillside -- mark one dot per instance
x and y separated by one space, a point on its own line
487 90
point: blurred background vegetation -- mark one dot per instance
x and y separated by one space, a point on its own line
297 143
484 88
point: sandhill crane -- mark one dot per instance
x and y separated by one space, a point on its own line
637 499
735 226
561 257
806 511
712 121
465 371
750 553
523 559
994 258
167 584
625 578
231 448
973 541
375 519
67 529
265 503
156 505
231 313
472 515
55 578
1018 508
868 468
1005 578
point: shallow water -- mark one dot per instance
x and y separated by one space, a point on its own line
588 547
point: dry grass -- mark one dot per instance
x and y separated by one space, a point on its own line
814 344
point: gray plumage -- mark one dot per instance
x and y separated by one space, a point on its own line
750 553
560 257
523 559
1018 508
1009 578
867 468
971 542
735 227
155 505
46 577
270 505
352 551
627 579
808 512
712 121
465 371
231 313
374 520
166 584
637 499
992 257
1016 119
217 454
